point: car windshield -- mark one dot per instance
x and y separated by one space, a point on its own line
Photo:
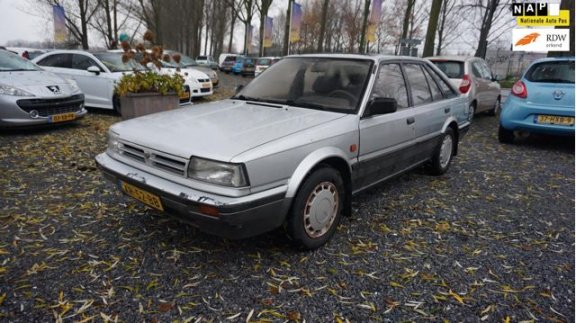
552 72
10 62
114 63
452 69
332 84
185 61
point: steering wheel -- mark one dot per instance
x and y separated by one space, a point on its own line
342 94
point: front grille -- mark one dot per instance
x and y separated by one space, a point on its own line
203 80
203 90
154 159
49 107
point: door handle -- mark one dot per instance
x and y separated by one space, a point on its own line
446 110
410 120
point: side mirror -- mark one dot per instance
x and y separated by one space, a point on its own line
93 69
379 106
238 88
150 66
496 78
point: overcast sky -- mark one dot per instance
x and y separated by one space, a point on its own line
16 23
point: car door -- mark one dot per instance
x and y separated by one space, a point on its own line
386 141
482 83
493 87
428 108
97 88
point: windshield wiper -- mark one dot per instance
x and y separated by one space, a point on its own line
17 70
247 98
309 105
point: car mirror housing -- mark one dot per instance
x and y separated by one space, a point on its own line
94 69
379 106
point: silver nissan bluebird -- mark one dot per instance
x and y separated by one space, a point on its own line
30 96
292 147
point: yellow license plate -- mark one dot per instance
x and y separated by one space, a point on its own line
142 196
206 85
63 117
185 95
565 121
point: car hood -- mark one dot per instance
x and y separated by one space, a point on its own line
219 130
36 82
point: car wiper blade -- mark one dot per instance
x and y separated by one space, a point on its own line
247 98
17 70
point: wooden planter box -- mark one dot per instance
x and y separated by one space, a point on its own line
139 104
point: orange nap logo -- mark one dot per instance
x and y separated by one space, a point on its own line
528 39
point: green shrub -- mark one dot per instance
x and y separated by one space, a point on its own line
149 82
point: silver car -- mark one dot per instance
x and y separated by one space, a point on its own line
30 96
292 147
474 80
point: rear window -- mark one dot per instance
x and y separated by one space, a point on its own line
551 72
452 69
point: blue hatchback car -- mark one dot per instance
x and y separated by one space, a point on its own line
244 66
542 101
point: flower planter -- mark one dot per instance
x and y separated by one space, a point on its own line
138 104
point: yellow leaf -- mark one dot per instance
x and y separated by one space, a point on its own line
395 284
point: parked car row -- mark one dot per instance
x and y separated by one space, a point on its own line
97 72
245 65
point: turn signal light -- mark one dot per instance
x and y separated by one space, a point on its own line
209 210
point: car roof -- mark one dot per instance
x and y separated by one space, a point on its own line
554 59
452 58
376 58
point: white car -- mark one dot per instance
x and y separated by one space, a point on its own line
197 83
95 73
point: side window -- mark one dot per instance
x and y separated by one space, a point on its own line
82 62
436 92
477 70
57 60
486 71
443 85
418 84
390 84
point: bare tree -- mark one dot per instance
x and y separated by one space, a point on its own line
432 25
492 21
448 21
323 23
362 47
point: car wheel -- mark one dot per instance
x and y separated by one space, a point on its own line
443 154
505 136
116 105
317 209
496 109
471 111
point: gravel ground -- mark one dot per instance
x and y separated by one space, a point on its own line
492 240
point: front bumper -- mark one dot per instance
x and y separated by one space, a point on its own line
16 112
238 217
517 115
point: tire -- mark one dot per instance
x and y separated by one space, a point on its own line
317 209
443 153
496 109
116 105
505 136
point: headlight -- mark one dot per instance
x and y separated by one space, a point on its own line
217 172
113 142
73 85
12 91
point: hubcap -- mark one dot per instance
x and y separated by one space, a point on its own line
321 209
446 151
